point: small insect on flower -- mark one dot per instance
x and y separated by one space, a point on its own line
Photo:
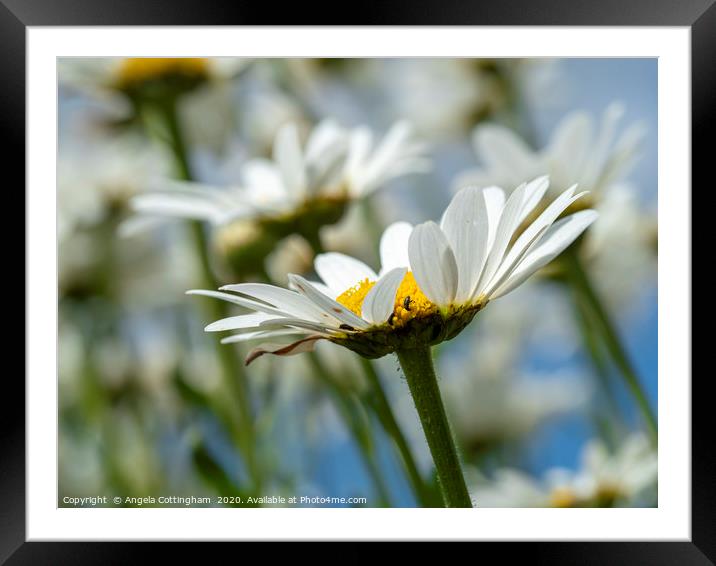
434 278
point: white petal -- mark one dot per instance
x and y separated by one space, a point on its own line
494 202
290 303
505 153
325 289
325 154
136 225
388 149
600 148
531 236
323 138
380 300
546 217
517 207
325 303
241 301
534 192
394 246
252 320
298 323
361 140
264 181
465 225
177 206
433 263
506 227
288 156
253 335
623 155
510 263
552 212
559 236
570 143
341 272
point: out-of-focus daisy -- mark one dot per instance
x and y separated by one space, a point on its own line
415 88
479 88
98 178
151 75
596 158
578 152
433 280
621 249
140 90
488 410
624 478
301 188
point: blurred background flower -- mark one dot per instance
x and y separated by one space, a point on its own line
243 156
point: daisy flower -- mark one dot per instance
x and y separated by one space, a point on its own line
433 280
596 158
129 75
302 187
625 477
145 90
578 152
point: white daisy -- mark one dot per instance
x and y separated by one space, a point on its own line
93 74
623 478
489 409
301 186
433 280
100 177
127 90
578 152
415 88
621 249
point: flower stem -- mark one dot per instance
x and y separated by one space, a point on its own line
580 280
314 240
381 406
417 365
356 424
233 372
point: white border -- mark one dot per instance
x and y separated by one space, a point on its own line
670 521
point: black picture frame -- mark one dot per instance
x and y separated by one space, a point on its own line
16 15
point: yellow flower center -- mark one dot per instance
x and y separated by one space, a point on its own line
353 297
563 497
137 70
410 302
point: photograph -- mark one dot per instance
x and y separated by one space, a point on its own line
357 282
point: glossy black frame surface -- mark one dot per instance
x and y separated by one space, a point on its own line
16 15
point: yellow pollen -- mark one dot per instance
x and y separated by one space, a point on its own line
410 302
352 298
139 69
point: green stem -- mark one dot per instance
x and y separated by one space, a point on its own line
233 372
381 406
583 286
356 425
417 365
601 369
314 240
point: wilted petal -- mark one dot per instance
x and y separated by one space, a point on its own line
299 347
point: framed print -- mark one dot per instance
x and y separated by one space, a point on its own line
422 280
